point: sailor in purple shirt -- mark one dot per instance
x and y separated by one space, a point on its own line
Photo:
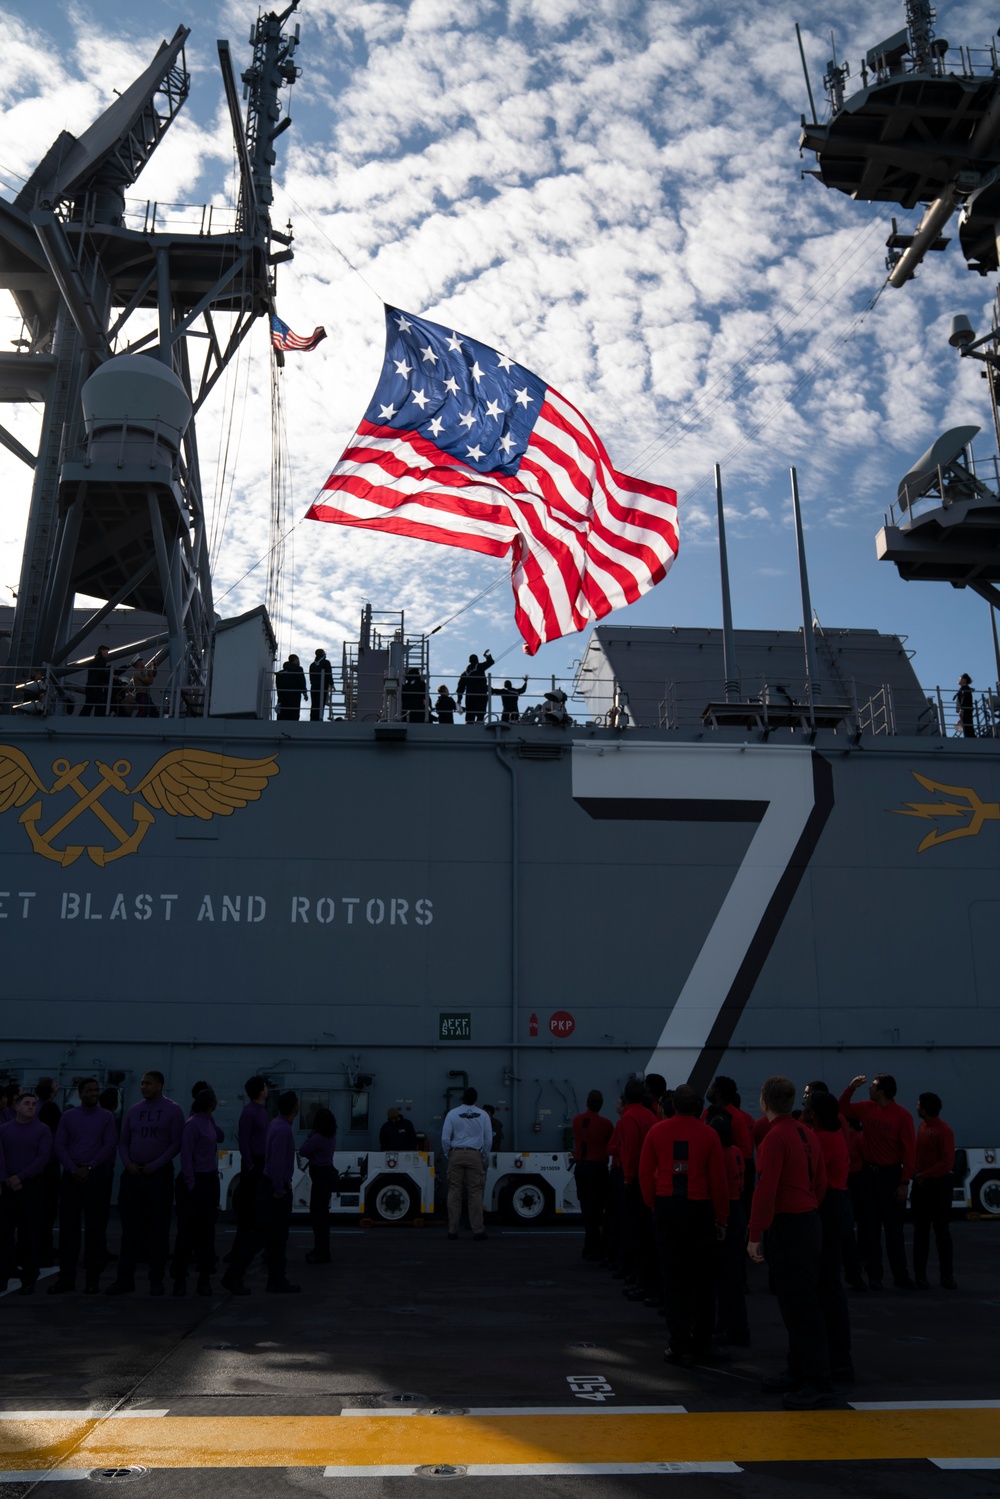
197 1195
49 1113
318 1151
251 1133
274 1206
25 1149
150 1141
85 1147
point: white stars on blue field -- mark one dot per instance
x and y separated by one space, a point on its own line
472 402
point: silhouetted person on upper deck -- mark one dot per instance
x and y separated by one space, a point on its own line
413 696
320 684
98 689
444 706
472 686
508 696
964 704
290 684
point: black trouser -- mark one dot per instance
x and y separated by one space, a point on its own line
793 1247
272 1217
20 1219
685 1240
730 1254
838 1226
48 1211
197 1210
930 1201
246 1205
592 1183
322 1181
640 1255
613 1216
853 1263
83 1217
749 1182
144 1206
880 1210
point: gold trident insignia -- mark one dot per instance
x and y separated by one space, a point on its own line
970 807
183 783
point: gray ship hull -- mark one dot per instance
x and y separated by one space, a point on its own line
372 918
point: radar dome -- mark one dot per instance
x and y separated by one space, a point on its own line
136 390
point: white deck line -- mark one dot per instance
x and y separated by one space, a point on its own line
77 1415
924 1405
535 1470
966 1464
54 1475
520 1410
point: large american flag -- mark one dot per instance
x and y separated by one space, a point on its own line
464 446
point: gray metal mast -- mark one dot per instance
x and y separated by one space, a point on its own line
729 668
812 670
90 286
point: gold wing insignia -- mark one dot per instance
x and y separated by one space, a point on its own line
198 783
18 781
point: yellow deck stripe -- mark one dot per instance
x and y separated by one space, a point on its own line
319 1441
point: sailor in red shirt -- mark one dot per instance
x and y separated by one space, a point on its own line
591 1139
821 1113
932 1192
723 1095
638 1251
683 1180
749 1175
791 1183
730 1290
887 1147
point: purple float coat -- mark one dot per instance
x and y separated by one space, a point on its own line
318 1149
26 1149
151 1133
199 1144
279 1153
86 1137
251 1134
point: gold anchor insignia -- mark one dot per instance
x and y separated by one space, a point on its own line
183 783
970 807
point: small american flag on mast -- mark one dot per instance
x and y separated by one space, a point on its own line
283 338
463 446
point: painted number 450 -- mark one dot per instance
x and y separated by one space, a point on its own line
590 1387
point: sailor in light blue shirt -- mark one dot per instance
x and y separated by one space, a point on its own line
466 1140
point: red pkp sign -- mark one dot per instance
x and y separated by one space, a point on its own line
562 1024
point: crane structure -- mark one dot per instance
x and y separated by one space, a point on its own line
116 508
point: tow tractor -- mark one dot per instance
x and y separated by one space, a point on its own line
530 1186
977 1181
398 1186
391 1186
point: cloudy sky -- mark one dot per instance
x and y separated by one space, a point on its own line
611 192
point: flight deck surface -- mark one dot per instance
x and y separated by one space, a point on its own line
411 1360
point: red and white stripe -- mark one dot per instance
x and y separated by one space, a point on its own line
586 539
304 341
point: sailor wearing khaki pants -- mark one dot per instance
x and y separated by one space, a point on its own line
466 1139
